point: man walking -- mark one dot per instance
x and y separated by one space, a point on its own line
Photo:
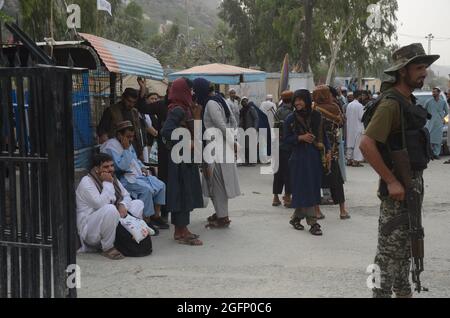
396 113
437 107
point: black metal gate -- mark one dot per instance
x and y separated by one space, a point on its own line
37 197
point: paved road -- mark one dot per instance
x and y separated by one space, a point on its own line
262 256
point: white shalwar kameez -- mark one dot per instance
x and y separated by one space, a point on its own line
98 217
355 130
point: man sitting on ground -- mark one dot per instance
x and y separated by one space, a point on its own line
101 202
135 177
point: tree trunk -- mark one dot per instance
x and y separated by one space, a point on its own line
308 6
335 48
360 74
332 65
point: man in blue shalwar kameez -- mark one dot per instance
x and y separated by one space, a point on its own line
437 107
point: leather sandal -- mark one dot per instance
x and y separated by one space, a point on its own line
189 241
287 202
296 223
345 217
222 223
113 254
316 230
321 217
276 203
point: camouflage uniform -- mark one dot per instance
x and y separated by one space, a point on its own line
394 250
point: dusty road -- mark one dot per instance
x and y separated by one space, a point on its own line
261 255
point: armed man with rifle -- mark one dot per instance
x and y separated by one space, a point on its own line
397 146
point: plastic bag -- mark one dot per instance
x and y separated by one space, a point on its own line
137 228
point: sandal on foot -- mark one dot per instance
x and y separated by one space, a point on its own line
113 254
276 203
296 223
193 236
219 224
321 217
316 230
345 217
160 223
287 202
189 241
212 218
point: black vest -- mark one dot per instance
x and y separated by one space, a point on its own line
413 136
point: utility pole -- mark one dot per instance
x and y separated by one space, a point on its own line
429 37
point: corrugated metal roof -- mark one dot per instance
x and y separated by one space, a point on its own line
221 74
120 58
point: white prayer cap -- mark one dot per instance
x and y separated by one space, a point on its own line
438 88
232 90
350 93
245 97
343 88
269 96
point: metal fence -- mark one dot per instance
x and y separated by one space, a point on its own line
37 200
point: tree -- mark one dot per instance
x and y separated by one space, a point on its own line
371 51
125 25
308 7
311 31
347 22
237 13
36 18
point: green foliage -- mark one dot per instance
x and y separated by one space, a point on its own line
238 14
125 26
5 18
36 17
265 30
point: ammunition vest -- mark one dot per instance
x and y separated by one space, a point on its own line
413 136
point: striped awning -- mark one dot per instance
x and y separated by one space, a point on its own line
122 59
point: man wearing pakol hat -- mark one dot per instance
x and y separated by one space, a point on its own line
397 113
437 107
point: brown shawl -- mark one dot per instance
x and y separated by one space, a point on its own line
99 185
323 102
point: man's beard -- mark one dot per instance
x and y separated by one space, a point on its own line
415 84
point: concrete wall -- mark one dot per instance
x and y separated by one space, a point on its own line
296 81
256 92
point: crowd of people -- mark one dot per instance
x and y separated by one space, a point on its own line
319 138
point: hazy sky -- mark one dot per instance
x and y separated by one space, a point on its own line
418 18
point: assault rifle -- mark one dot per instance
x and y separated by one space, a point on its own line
413 202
